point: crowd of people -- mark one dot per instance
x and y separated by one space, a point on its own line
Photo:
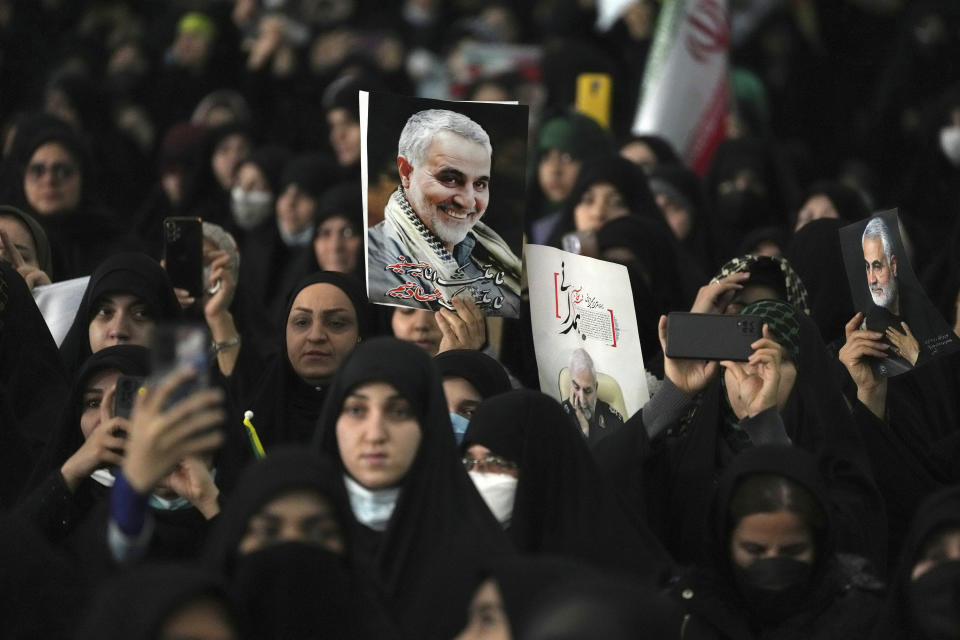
333 468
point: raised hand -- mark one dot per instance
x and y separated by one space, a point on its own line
161 438
756 383
689 376
103 447
904 344
191 479
33 276
860 346
465 328
716 296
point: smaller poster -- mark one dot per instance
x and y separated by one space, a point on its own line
443 194
886 290
586 338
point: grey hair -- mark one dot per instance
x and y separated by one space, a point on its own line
418 133
580 360
877 228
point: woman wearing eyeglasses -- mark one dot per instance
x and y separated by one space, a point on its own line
535 472
420 532
50 177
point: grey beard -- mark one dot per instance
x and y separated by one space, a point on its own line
446 233
889 295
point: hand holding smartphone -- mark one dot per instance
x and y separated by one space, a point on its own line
710 336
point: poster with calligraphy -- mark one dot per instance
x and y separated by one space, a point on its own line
586 338
443 194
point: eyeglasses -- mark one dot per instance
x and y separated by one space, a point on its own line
57 170
490 464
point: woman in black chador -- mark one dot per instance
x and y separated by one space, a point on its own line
420 529
535 472
773 570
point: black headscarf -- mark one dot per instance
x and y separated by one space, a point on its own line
44 259
441 532
939 511
562 504
270 160
684 187
285 469
629 180
663 151
796 465
522 581
486 374
285 407
817 259
33 383
139 602
292 589
603 606
849 204
80 238
827 598
131 273
129 360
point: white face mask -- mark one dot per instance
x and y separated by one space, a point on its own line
300 239
250 208
950 144
499 491
371 507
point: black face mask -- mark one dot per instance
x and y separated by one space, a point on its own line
774 588
935 602
297 590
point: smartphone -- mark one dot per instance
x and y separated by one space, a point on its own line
594 94
177 345
183 253
712 336
126 394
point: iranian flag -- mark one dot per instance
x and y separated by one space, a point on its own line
686 92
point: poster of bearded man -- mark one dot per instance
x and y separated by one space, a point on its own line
886 292
443 199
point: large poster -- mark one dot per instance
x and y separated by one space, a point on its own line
443 195
586 338
886 290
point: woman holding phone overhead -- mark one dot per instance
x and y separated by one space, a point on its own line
421 531
707 412
70 497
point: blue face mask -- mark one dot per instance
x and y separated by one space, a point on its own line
459 426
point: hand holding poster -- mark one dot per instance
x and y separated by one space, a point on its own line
886 291
429 177
586 338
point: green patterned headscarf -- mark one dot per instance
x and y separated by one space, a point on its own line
796 293
781 318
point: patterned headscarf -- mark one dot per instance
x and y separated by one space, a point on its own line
795 290
781 318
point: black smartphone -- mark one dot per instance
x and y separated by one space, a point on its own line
183 253
126 394
712 336
177 345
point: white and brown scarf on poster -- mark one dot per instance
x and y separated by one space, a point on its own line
493 252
